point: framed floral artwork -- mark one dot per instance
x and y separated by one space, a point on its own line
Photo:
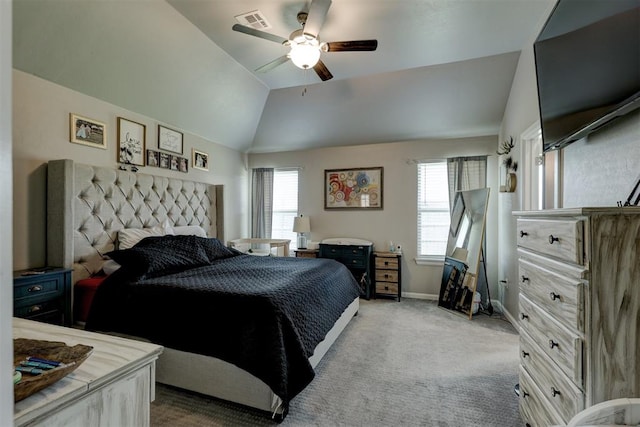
357 188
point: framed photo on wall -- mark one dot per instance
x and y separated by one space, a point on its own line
153 158
131 142
170 140
200 160
85 131
165 160
357 188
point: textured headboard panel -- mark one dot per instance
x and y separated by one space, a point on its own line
88 205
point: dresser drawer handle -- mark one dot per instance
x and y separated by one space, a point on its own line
386 288
354 261
524 316
524 354
35 308
553 239
525 279
36 288
386 276
554 296
555 392
386 263
523 233
553 344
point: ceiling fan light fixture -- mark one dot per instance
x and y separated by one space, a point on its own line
305 55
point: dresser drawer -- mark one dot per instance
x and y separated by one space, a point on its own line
563 394
386 263
534 407
561 296
386 276
561 345
562 239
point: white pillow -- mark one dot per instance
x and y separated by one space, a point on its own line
189 230
128 237
110 267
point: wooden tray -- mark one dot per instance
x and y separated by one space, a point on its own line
72 357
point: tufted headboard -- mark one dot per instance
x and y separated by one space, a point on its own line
88 205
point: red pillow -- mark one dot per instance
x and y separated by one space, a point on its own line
83 292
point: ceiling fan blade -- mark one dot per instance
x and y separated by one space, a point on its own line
317 14
257 33
273 64
351 46
322 71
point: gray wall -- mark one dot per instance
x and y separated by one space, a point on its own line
41 133
398 220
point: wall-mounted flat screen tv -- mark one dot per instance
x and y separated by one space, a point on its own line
587 67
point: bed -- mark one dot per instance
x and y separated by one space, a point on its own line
87 208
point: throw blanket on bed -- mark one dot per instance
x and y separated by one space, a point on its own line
263 314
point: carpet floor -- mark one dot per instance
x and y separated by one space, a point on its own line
397 363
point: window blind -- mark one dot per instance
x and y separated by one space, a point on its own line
433 209
285 204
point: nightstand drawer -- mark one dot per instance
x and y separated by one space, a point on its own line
386 288
386 263
386 276
33 288
38 309
558 238
350 261
43 294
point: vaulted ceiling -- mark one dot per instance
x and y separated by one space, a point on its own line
442 69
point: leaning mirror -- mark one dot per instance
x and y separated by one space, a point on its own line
464 248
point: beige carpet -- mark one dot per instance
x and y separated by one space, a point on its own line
407 363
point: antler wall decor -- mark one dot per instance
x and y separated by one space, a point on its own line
506 147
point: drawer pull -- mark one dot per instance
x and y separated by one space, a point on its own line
524 316
553 239
386 263
36 288
555 392
525 279
386 276
35 308
354 261
554 296
553 344
524 354
523 233
386 288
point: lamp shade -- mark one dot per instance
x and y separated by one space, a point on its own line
301 224
305 55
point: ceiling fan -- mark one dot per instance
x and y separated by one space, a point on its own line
305 45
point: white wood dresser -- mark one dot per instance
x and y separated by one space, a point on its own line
579 278
113 387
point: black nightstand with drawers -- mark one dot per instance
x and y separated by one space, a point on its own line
43 294
356 258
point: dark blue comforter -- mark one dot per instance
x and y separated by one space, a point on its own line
263 314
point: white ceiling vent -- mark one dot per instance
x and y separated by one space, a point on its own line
254 19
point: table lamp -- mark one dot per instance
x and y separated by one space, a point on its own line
301 225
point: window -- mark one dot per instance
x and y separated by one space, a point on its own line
433 210
285 205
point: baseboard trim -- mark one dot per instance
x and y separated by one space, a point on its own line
416 295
